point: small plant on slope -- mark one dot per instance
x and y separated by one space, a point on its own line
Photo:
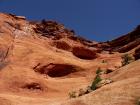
104 61
72 94
98 71
126 59
81 92
95 82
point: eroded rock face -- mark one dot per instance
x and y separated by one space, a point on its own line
33 86
41 62
57 70
84 53
51 28
124 43
137 54
62 45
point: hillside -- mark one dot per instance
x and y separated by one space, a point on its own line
45 63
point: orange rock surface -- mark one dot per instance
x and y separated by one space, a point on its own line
42 62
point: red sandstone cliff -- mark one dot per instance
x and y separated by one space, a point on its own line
42 62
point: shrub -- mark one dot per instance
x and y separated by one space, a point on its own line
104 61
81 92
95 82
88 90
126 59
98 70
72 94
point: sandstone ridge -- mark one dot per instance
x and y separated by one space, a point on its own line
42 62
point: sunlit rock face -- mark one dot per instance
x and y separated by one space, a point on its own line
41 62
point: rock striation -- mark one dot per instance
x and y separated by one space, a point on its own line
41 62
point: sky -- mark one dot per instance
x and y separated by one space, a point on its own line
98 20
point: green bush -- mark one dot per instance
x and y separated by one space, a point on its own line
126 59
89 89
98 70
95 82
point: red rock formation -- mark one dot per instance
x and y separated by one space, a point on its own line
41 62
125 43
84 53
137 53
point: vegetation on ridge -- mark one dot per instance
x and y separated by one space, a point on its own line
126 59
97 83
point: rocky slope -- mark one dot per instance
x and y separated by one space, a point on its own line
41 63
